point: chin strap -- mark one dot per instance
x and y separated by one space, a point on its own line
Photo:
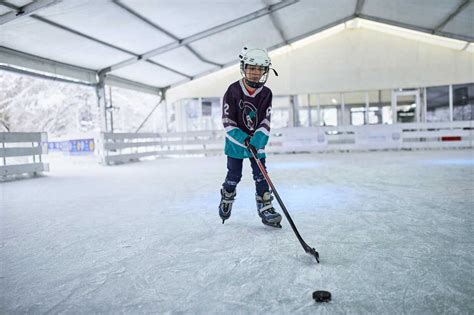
252 84
256 85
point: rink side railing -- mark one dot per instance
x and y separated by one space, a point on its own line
21 153
125 147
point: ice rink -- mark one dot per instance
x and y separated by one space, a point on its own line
394 231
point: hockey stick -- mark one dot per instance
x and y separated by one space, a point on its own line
306 247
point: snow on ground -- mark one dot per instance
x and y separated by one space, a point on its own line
393 229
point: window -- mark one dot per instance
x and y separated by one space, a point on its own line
380 107
206 108
280 118
355 106
280 111
437 103
330 109
329 116
463 101
304 109
406 106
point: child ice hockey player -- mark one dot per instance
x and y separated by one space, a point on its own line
246 111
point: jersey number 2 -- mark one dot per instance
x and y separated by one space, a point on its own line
226 109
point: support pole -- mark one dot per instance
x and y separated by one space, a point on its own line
102 103
451 107
367 116
152 111
111 110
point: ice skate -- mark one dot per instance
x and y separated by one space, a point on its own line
266 211
225 207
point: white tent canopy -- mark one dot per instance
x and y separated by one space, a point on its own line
152 45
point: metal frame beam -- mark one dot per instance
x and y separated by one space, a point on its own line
416 28
162 98
19 62
159 28
201 35
289 41
200 57
26 61
136 86
323 28
359 7
39 18
25 10
89 76
315 31
42 76
70 30
453 14
278 27
276 24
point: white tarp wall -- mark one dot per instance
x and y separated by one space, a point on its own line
357 56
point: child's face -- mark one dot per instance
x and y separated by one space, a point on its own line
254 73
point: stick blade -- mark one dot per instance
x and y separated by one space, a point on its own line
312 252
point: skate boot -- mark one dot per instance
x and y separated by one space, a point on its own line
225 207
266 211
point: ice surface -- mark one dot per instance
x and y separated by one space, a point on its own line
394 231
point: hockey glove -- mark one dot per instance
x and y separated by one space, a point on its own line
248 145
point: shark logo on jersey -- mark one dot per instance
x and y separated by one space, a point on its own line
249 115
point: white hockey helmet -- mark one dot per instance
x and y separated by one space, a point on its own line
255 57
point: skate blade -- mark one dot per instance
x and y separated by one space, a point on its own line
223 220
273 225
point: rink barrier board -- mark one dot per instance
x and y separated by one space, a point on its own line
122 147
125 147
21 153
133 157
438 145
162 142
31 168
17 137
13 152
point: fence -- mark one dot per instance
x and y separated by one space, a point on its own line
22 152
125 147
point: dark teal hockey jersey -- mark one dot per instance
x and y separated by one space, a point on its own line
245 115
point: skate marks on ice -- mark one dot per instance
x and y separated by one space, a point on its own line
394 235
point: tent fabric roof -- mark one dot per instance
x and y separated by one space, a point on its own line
157 44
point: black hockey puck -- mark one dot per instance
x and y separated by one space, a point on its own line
322 296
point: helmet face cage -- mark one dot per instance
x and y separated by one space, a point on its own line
253 84
258 58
